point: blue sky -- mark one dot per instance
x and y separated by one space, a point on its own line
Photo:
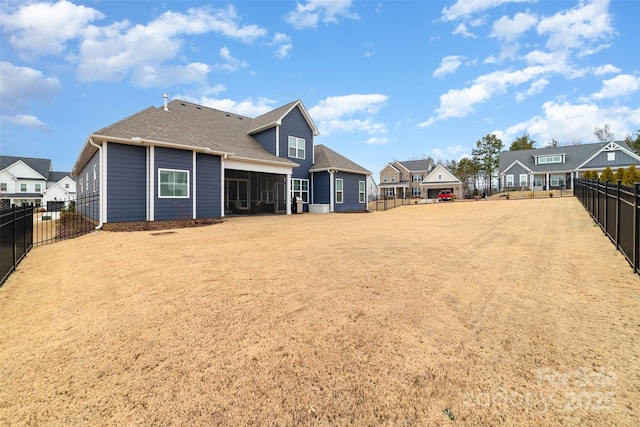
382 80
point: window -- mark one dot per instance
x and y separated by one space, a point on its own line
361 194
417 178
388 192
173 183
38 188
296 147
549 159
416 192
509 180
300 189
3 186
523 180
23 187
393 178
611 157
339 192
66 185
384 178
557 180
439 177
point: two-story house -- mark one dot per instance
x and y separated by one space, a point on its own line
188 161
403 178
28 180
556 167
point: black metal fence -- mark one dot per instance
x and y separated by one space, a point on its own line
24 227
383 203
16 238
616 208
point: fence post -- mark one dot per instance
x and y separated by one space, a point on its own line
636 228
606 206
15 237
618 214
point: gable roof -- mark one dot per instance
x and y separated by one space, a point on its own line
56 176
417 165
447 176
612 146
192 126
41 166
274 118
327 159
574 156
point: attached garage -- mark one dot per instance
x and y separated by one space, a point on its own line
441 179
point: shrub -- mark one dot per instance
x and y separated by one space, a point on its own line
550 193
607 175
630 176
619 174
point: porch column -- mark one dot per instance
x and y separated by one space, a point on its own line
288 194
548 181
331 192
531 180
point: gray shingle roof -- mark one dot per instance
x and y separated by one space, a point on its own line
417 165
42 166
325 158
575 156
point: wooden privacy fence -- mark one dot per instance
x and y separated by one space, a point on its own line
16 238
616 208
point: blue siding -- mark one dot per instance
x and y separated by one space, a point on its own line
321 188
516 170
350 192
173 208
294 124
267 139
600 161
88 200
126 183
208 175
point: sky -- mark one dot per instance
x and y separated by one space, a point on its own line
382 80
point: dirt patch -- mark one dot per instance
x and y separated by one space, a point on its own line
489 313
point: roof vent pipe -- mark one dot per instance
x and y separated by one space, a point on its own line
166 98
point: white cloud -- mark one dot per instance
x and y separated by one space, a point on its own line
448 65
464 8
508 29
248 108
567 122
112 52
231 63
535 88
578 28
461 29
377 140
26 120
44 28
606 69
169 75
308 15
621 85
282 43
334 114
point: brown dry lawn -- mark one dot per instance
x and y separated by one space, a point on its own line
497 313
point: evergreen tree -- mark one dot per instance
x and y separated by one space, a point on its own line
487 154
631 176
607 175
619 174
523 142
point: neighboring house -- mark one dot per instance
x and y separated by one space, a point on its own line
441 179
556 167
185 161
372 188
27 180
402 179
339 185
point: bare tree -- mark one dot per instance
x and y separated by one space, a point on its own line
603 134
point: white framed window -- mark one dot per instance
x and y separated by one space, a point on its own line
384 178
3 186
300 189
611 156
439 177
388 192
523 180
38 188
173 183
393 178
557 180
361 192
416 192
509 180
549 159
339 190
296 147
23 187
417 178
66 185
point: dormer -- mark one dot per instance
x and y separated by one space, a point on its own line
545 159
